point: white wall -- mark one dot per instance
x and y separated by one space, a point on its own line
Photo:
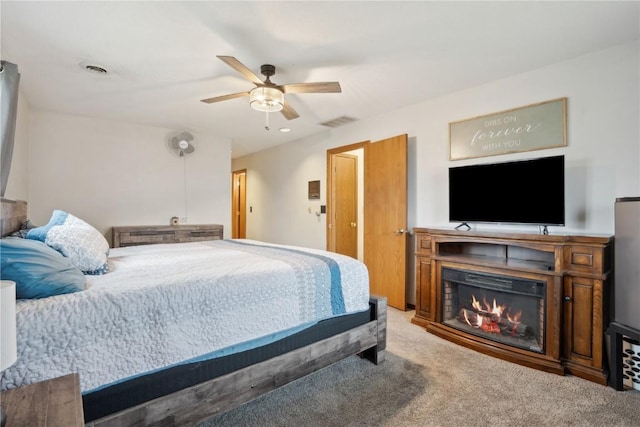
278 207
602 157
603 134
112 173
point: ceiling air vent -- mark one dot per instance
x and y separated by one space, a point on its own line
93 68
337 122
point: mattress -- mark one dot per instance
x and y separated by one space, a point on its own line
166 305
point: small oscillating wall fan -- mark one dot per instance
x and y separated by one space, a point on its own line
181 143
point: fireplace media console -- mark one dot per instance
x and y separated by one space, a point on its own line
542 301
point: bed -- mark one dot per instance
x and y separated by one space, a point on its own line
174 334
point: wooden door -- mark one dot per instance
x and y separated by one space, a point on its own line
238 204
345 220
335 197
385 218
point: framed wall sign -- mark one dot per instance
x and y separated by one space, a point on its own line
532 127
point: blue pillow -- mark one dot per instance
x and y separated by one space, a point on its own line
72 237
38 270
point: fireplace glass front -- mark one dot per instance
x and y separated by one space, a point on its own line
505 309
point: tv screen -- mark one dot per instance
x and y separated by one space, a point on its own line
517 192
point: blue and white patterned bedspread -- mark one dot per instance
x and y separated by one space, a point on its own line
165 304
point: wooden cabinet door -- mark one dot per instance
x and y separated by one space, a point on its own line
583 322
424 295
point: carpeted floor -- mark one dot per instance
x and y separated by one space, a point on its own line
428 381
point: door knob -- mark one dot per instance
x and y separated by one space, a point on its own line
353 225
400 231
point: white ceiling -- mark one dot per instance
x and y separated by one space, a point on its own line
161 56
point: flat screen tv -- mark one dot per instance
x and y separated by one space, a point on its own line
516 192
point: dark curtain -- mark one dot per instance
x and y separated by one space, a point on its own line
9 80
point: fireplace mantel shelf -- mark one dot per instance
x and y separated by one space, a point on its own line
576 270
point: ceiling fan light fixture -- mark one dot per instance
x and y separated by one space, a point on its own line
268 99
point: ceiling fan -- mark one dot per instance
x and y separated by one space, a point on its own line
268 96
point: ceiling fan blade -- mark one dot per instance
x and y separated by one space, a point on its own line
225 97
288 112
320 87
241 68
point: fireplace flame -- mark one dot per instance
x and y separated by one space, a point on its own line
515 318
488 308
493 317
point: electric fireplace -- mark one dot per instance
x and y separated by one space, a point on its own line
539 300
504 309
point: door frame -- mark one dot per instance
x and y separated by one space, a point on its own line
238 204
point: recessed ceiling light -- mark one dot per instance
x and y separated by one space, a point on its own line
285 130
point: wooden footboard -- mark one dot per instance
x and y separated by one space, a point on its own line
219 395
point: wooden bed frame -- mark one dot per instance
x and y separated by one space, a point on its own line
218 395
14 214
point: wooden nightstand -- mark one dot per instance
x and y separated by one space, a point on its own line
51 403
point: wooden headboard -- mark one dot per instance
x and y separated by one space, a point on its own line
14 214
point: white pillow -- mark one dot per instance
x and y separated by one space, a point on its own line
72 237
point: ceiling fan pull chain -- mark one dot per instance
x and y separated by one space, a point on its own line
266 120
